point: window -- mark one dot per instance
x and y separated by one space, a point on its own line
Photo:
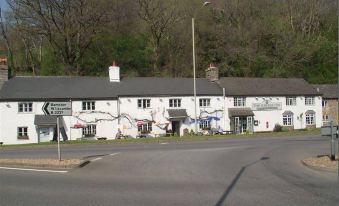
145 128
22 132
309 101
291 101
325 117
310 119
204 102
239 101
175 103
324 103
89 131
288 120
88 106
25 107
205 124
144 103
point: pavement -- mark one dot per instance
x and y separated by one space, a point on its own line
237 171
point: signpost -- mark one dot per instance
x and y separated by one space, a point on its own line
58 109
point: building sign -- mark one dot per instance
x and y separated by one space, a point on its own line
267 105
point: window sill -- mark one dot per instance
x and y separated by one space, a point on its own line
23 138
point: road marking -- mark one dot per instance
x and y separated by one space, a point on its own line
96 159
164 143
114 154
33 170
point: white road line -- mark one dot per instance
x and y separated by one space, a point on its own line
114 154
96 159
164 143
33 170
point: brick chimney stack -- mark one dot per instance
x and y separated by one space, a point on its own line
3 71
212 73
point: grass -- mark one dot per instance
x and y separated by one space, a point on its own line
177 139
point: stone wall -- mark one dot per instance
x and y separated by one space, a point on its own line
3 74
331 110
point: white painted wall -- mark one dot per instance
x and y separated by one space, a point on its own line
275 116
103 117
158 113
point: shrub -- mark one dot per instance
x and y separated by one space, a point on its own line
277 128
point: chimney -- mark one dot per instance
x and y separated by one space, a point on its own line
114 73
212 73
3 71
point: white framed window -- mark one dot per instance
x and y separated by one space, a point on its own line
309 101
25 107
89 131
144 103
324 103
145 128
291 101
205 102
310 119
239 101
88 106
288 120
175 103
22 132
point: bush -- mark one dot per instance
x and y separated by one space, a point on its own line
277 128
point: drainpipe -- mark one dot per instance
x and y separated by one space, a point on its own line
224 109
118 110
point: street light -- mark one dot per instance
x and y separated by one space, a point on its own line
206 3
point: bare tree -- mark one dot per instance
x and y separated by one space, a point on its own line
159 16
68 25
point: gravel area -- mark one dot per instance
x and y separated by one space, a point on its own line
322 163
41 163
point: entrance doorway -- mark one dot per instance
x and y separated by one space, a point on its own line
44 134
243 124
176 128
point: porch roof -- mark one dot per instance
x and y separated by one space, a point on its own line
240 112
44 120
177 114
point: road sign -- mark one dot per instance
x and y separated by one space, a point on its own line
57 108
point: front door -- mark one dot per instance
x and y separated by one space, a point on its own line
44 134
176 128
242 124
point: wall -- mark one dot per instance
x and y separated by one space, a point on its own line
158 113
11 119
275 116
331 110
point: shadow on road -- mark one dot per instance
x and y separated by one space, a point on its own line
235 180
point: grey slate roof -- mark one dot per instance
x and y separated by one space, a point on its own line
58 88
244 86
329 91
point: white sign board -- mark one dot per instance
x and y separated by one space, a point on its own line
57 108
267 106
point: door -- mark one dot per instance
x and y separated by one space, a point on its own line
236 125
44 134
243 125
176 128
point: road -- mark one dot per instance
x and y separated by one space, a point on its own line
239 171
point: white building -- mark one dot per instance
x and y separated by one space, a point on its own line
144 106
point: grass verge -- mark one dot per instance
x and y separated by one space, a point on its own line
176 138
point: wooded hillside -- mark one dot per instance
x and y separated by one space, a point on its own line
254 38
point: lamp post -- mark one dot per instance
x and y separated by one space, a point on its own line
194 74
